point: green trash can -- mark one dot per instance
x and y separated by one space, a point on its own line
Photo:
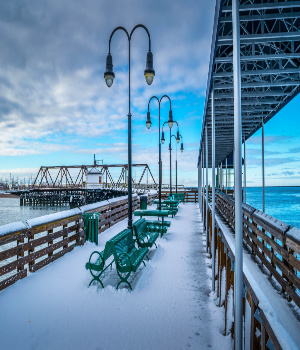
143 202
91 224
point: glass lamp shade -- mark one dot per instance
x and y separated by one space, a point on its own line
149 78
109 79
181 148
162 137
148 124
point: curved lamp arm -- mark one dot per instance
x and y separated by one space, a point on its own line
113 32
149 72
168 99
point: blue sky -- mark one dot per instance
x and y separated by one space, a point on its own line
55 108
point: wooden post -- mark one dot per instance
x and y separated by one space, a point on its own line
49 232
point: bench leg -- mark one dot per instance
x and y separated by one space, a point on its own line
124 279
124 282
96 279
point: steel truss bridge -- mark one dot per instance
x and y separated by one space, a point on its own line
74 176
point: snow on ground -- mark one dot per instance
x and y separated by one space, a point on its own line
171 306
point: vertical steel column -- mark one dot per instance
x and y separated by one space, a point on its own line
233 173
170 164
176 167
226 174
263 161
213 160
203 198
129 154
221 176
200 200
200 182
206 215
245 178
238 290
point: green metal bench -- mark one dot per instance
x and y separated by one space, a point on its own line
100 264
179 196
127 257
172 210
158 213
159 223
145 234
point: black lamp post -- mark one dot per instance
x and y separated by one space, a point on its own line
181 149
109 77
148 124
177 137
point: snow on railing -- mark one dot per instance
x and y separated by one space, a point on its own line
272 241
28 247
273 245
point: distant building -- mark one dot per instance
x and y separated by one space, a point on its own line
94 179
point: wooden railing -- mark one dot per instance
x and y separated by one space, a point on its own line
273 244
190 195
270 240
27 248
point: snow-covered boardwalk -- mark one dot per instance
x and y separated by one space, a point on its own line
171 306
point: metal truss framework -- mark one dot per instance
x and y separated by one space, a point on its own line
60 176
270 66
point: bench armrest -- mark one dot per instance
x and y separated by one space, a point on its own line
96 252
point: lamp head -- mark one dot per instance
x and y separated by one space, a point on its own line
181 148
148 121
109 73
170 121
162 137
149 71
178 137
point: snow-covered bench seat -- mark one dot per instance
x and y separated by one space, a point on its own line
145 234
127 257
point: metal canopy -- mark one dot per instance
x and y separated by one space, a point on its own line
270 66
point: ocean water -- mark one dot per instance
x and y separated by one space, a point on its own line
283 203
11 211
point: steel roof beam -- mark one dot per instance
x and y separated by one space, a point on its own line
246 94
264 6
260 72
264 57
258 84
249 102
260 38
269 16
